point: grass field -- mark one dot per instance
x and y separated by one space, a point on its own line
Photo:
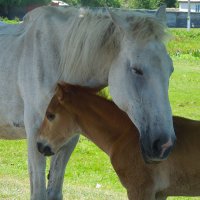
88 165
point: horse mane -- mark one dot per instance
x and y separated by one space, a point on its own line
93 33
147 27
90 35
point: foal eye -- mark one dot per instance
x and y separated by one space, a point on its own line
50 116
137 71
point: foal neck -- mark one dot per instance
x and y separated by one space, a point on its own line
101 120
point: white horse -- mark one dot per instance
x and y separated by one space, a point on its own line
95 49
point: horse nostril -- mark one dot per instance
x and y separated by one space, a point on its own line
157 147
165 152
167 147
162 149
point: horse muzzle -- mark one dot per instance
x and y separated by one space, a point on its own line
158 151
44 149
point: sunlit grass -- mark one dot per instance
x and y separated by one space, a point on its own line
185 88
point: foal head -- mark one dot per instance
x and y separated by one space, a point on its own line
59 124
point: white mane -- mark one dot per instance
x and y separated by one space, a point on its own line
94 36
91 37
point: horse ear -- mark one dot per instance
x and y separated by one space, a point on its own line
161 14
118 20
60 92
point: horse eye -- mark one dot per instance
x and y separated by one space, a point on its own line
137 71
50 116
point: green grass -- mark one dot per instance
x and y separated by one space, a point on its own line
185 88
184 43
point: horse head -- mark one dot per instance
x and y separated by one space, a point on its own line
139 81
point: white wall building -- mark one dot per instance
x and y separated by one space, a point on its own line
194 4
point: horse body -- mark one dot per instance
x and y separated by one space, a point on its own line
90 49
109 128
11 109
33 48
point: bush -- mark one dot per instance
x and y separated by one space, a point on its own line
95 3
6 20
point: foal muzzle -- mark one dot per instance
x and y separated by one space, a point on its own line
44 149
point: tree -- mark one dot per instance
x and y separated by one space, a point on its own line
95 3
6 5
169 3
100 3
22 2
150 4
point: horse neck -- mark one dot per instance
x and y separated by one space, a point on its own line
101 120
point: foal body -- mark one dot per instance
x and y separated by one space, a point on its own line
100 120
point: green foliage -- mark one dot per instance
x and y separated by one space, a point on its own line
150 4
100 3
35 2
146 4
6 20
10 2
72 2
22 2
95 3
170 3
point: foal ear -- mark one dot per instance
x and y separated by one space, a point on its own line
161 14
60 92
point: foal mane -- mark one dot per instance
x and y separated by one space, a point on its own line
67 87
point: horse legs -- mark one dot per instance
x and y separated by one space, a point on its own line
37 165
36 161
57 169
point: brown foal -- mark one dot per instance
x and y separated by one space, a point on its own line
74 108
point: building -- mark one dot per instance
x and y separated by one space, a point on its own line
58 3
194 5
